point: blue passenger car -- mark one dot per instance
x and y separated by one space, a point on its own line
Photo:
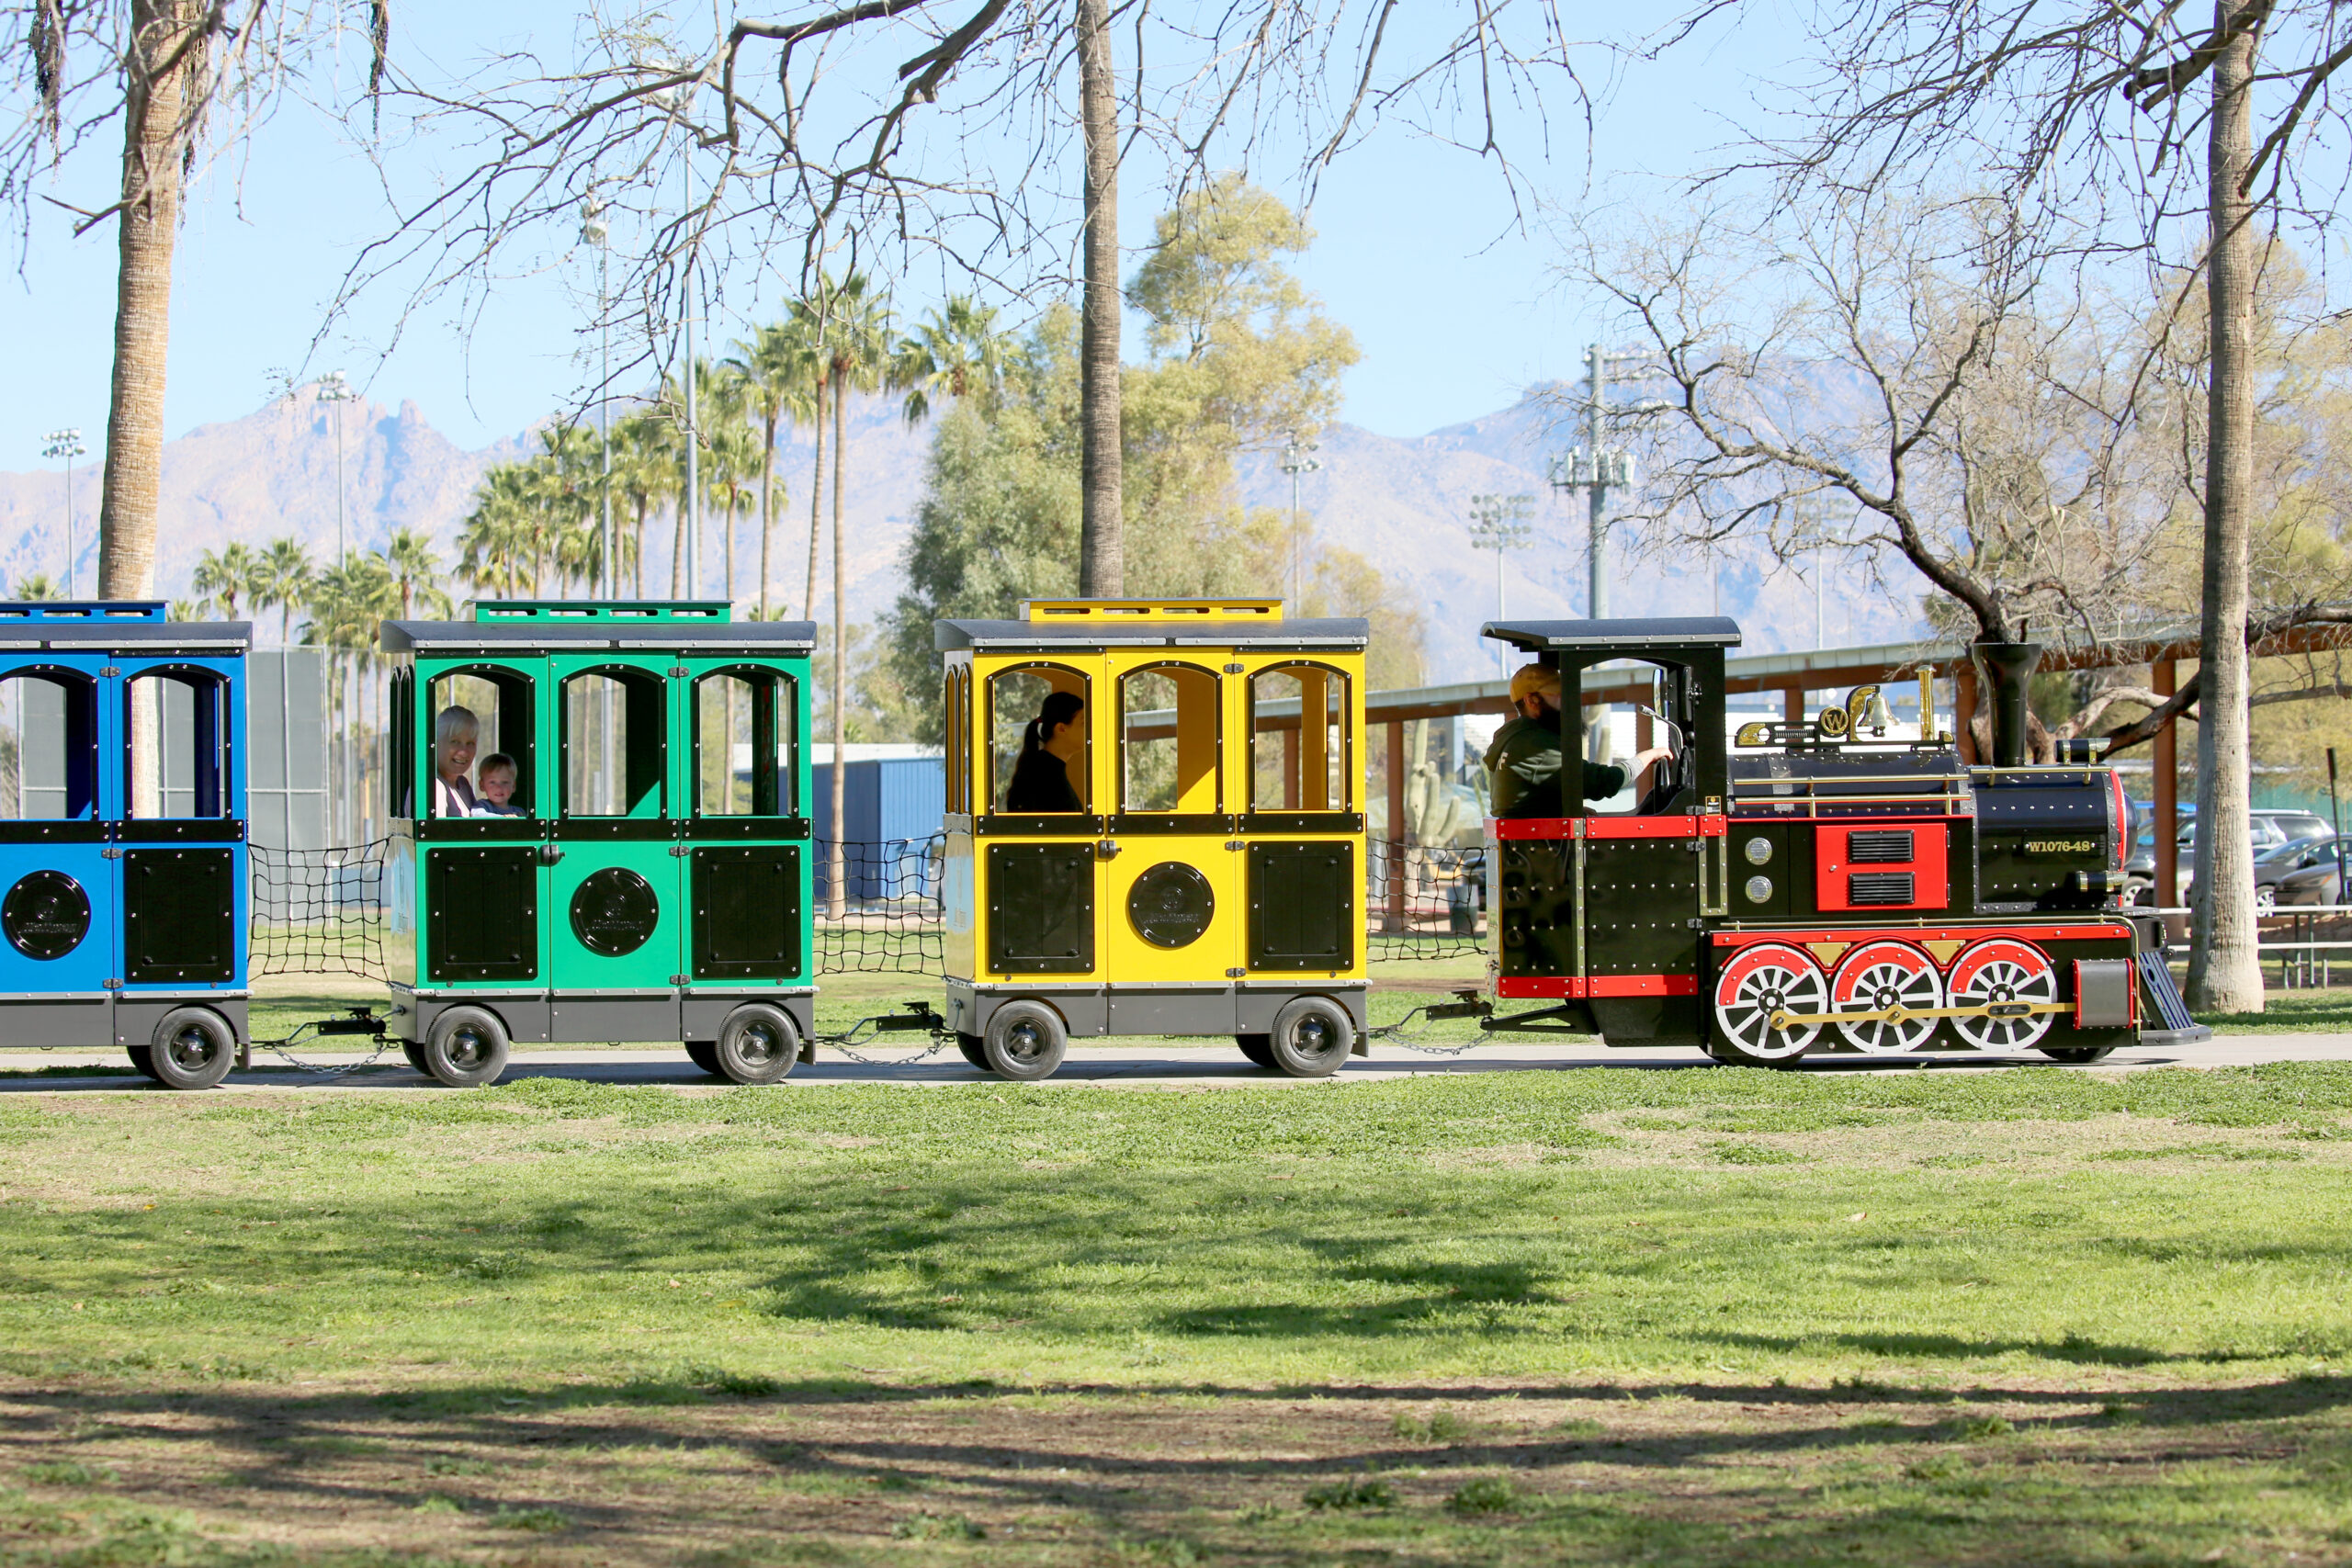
123 888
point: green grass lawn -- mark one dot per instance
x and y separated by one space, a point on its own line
2040 1316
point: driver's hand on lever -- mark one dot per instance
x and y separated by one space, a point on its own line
1642 763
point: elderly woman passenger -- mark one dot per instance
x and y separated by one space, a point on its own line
456 733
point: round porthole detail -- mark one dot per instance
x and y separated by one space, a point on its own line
1758 890
614 912
1758 850
1170 905
45 915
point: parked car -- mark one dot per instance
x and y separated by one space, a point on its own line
2316 881
2270 828
2274 864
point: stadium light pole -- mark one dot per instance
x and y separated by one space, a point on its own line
1498 522
335 387
593 232
1298 462
67 444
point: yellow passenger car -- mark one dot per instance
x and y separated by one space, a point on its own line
1155 826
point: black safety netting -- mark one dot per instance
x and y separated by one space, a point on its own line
1423 900
335 911
879 906
322 911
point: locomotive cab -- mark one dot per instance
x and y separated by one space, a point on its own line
122 843
1599 909
1188 856
649 879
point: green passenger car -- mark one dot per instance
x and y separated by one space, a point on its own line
646 876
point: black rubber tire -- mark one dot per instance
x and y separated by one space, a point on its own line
758 1043
416 1055
703 1053
143 1058
466 1047
2075 1052
1312 1037
194 1048
1026 1041
1259 1048
973 1051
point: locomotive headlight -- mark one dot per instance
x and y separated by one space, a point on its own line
1759 851
1759 889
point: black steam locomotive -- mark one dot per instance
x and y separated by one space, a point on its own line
1821 888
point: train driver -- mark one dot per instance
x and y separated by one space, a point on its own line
1524 759
456 733
1050 746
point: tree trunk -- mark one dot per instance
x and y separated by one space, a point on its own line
2225 969
1101 548
678 546
154 137
767 509
836 889
816 501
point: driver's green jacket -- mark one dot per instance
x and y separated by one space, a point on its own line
1524 763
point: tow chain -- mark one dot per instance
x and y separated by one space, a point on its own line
1466 1004
917 1017
360 1020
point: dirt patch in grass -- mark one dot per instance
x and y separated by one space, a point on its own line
2108 1468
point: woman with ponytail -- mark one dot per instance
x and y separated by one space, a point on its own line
1051 743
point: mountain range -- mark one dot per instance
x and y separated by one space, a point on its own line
1402 503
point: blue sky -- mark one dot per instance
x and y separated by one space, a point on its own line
1454 310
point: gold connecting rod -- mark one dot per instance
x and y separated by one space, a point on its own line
1898 1013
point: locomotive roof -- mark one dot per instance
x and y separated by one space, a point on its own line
1345 632
1658 631
138 627
759 639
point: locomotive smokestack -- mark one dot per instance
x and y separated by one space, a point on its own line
2006 670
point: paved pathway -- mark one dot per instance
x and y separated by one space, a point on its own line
1151 1064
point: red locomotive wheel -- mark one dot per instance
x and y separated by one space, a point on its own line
1999 972
1877 975
1759 981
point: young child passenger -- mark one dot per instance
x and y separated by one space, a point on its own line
497 778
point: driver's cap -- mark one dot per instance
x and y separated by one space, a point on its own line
1533 679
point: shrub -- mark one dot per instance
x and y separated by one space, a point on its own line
937 1527
1487 1495
1355 1491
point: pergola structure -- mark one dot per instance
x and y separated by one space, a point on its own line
1793 674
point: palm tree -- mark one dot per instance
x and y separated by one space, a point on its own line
859 345
643 452
567 483
347 604
812 320
777 367
728 455
38 586
283 583
497 542
415 571
222 576
958 351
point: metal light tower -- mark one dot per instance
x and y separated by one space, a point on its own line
1596 468
335 388
67 444
592 231
1296 462
1498 522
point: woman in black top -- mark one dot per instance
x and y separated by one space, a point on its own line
1041 777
